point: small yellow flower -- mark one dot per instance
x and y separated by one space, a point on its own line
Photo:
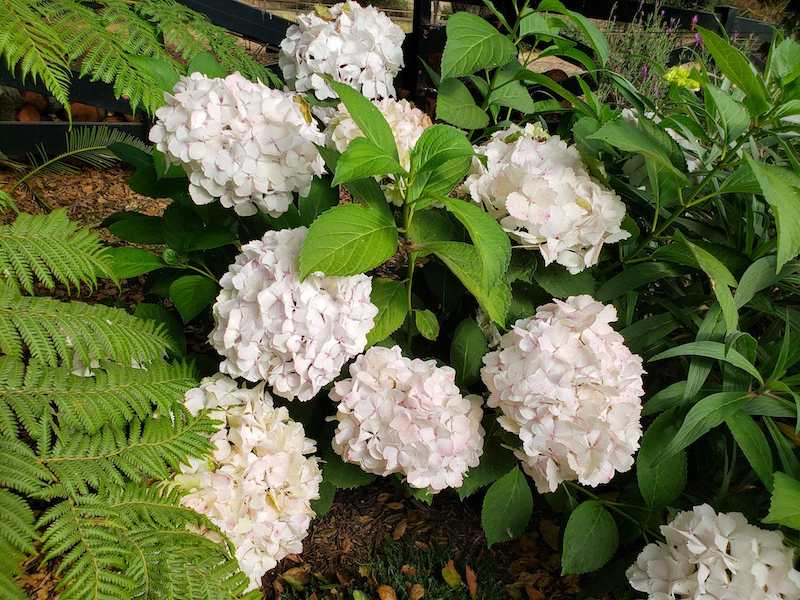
681 76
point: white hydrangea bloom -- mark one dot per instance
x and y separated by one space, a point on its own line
711 556
239 141
397 415
406 121
258 485
296 335
356 45
538 188
571 390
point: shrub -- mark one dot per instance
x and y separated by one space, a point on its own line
537 273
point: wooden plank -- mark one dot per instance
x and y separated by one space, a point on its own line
18 139
245 20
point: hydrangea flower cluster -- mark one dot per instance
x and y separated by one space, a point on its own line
296 335
406 121
259 483
711 556
397 415
571 390
356 45
239 141
540 192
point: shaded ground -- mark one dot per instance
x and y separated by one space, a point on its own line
374 539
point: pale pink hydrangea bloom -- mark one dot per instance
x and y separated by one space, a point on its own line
716 556
356 45
240 142
571 390
539 190
258 485
296 335
398 415
407 124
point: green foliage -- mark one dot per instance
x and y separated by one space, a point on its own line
507 507
129 45
390 299
590 538
50 249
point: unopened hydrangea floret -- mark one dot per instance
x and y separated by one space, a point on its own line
296 335
571 390
353 44
716 556
397 415
258 485
539 190
242 142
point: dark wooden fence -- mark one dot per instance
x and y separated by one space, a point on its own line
426 40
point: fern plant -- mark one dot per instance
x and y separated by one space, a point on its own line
79 455
137 47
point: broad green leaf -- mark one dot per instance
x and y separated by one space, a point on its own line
733 116
455 104
785 449
704 416
631 137
741 181
172 324
784 508
431 225
464 262
347 240
592 33
204 62
660 483
184 231
496 461
590 539
130 262
466 352
427 324
489 239
635 277
439 182
473 44
363 159
784 199
760 275
507 507
735 66
437 145
368 117
532 22
320 198
389 297
343 475
670 397
508 91
785 60
137 228
136 157
191 294
754 445
161 71
642 335
327 493
558 282
710 349
721 282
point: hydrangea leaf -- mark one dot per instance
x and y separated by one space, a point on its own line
590 539
455 104
507 507
347 240
390 298
662 483
191 294
784 508
427 324
368 118
131 262
363 159
466 352
496 461
474 44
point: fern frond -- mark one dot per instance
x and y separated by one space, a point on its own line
16 526
115 395
188 578
53 332
31 45
50 249
189 32
86 145
102 56
7 202
20 469
143 449
84 535
139 36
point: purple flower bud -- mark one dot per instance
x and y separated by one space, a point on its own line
695 18
698 41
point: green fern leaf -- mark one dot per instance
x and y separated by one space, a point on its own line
29 44
54 332
20 468
115 395
7 202
144 449
16 526
50 249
